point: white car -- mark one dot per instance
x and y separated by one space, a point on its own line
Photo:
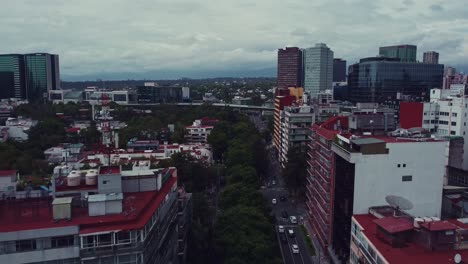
293 219
273 182
273 201
281 229
291 233
295 249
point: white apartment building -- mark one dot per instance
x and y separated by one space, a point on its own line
318 69
295 129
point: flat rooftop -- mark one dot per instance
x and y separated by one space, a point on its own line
36 213
412 253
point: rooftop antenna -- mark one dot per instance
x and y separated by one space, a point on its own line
399 203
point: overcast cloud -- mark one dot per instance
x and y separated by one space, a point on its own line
182 35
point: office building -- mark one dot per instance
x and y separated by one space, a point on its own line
289 68
12 76
387 235
318 69
42 75
377 79
431 57
406 53
295 130
339 70
150 93
106 215
353 164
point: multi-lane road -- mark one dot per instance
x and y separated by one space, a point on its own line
274 188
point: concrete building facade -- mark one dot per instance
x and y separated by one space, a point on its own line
318 69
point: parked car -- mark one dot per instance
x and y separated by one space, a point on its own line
291 233
293 219
295 249
273 201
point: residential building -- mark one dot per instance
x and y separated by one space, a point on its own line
387 235
17 128
150 93
339 70
318 69
199 131
354 164
96 216
445 115
281 101
8 182
381 78
406 53
431 57
12 76
289 67
295 130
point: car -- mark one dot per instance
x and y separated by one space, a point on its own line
283 238
293 219
284 214
291 233
281 229
273 201
282 198
295 249
273 182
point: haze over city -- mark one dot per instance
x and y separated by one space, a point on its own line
171 39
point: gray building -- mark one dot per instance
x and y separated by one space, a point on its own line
339 70
318 69
431 57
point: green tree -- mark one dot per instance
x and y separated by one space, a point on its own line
295 171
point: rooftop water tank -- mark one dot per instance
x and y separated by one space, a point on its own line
91 177
74 178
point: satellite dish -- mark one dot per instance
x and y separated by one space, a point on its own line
457 258
399 202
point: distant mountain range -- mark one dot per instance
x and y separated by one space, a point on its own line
171 75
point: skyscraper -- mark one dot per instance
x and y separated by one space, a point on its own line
42 74
405 53
339 70
377 79
318 69
12 76
28 76
289 67
431 57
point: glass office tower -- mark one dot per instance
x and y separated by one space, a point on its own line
318 69
42 75
403 52
378 79
12 76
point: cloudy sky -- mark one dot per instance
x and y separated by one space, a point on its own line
135 36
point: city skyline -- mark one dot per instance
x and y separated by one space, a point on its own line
167 39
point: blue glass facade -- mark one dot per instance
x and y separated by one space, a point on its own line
379 79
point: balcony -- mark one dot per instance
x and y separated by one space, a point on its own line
347 154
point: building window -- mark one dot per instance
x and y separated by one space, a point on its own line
398 165
62 241
452 133
404 165
454 123
105 182
25 245
454 114
407 178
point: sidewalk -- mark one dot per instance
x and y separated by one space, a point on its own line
320 256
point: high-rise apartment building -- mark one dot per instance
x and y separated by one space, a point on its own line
339 70
12 76
354 164
29 76
377 79
406 53
289 68
431 57
295 126
318 69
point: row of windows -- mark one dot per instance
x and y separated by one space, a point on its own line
36 244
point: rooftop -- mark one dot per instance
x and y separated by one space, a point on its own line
394 224
412 253
29 214
7 173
